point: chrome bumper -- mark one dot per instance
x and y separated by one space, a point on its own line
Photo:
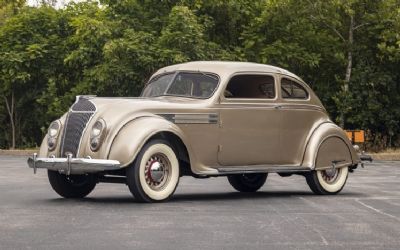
71 165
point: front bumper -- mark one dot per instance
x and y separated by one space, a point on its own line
71 165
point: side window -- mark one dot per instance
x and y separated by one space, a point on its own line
292 90
251 86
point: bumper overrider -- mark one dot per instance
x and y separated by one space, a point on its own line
71 165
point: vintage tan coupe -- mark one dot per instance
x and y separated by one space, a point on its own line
202 119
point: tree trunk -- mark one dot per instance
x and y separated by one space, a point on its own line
349 66
10 110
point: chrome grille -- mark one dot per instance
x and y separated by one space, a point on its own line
83 105
75 124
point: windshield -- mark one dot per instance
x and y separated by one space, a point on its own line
194 85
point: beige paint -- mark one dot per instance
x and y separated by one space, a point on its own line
256 127
222 133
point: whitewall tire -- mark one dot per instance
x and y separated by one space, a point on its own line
329 181
154 174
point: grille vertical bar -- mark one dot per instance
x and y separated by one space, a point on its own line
76 122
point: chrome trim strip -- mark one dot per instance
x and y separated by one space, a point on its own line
262 169
334 166
191 118
87 97
34 163
63 134
69 158
268 106
301 106
73 165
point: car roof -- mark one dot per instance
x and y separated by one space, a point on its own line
225 67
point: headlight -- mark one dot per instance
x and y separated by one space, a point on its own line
52 134
97 134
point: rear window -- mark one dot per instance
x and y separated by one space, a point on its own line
292 90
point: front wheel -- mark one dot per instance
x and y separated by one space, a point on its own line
247 182
327 181
71 186
154 174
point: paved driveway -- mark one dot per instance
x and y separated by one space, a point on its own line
204 214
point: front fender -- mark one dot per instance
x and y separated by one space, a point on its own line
329 143
129 140
44 151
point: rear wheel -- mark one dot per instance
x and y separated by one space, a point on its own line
247 182
154 174
71 186
327 181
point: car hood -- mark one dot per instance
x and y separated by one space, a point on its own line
119 110
141 103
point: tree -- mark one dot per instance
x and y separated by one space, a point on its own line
348 51
343 18
284 35
29 50
389 45
8 8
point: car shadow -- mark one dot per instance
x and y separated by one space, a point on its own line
207 197
250 196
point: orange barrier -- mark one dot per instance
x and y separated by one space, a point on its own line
356 136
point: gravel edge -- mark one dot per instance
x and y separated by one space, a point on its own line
18 152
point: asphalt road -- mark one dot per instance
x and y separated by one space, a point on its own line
204 214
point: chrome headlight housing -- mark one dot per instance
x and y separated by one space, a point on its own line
97 134
52 134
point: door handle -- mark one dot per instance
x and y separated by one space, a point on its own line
278 107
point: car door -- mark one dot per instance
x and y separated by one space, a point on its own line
249 121
299 118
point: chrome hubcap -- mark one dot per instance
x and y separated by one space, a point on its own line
157 171
330 175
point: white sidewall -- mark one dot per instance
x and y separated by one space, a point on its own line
338 184
174 175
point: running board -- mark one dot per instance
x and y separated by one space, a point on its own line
262 169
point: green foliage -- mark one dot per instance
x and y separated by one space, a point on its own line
47 55
183 34
389 43
31 52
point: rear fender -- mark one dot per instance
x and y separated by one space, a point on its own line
329 145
